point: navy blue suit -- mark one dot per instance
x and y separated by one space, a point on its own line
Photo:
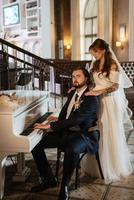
71 135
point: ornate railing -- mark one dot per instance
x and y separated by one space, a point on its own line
21 68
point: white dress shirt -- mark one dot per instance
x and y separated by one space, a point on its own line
71 104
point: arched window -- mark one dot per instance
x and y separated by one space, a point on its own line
91 25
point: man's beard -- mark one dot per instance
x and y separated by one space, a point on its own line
77 85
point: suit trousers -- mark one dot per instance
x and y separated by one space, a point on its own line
72 143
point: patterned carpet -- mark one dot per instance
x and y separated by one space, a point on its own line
20 191
90 189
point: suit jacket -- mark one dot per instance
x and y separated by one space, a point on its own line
84 117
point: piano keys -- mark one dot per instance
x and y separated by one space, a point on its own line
17 117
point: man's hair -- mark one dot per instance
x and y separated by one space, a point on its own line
90 81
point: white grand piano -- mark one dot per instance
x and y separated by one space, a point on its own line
19 110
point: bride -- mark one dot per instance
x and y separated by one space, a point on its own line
114 118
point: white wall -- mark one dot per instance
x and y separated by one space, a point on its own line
1 18
45 39
105 8
47 28
82 8
75 29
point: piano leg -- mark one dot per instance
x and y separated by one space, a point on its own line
22 171
2 174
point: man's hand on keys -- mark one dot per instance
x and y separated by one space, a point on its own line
42 126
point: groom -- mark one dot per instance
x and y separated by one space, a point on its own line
71 132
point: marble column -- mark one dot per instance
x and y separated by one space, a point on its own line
105 8
75 29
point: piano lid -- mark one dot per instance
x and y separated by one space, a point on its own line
18 100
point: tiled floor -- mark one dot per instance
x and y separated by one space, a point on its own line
90 189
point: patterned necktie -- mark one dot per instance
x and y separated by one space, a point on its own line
76 97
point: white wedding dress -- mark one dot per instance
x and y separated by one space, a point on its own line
114 121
